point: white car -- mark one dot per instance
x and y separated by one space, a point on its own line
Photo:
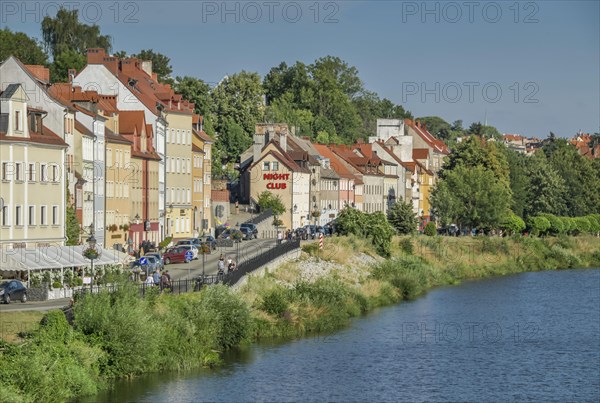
192 248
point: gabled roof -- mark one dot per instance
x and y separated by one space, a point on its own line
203 136
291 165
112 137
9 91
334 161
437 145
420 153
131 122
48 137
83 130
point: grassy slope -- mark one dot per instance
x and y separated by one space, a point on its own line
120 335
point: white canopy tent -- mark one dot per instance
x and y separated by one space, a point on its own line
56 257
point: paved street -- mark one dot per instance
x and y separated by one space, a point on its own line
240 252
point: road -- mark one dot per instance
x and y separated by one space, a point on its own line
240 252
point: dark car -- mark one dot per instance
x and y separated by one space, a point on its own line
231 234
13 290
252 227
246 233
175 255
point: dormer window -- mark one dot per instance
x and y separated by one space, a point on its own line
17 120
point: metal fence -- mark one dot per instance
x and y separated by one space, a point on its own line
188 285
261 217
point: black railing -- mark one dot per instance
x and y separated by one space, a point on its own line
260 260
195 284
261 217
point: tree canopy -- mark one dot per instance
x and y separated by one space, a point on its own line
27 50
161 64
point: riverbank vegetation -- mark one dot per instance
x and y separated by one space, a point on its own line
121 335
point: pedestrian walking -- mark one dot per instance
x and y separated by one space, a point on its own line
279 237
156 277
149 281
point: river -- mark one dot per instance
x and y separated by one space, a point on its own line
530 336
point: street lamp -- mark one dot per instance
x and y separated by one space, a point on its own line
91 254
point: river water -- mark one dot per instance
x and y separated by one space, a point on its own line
531 336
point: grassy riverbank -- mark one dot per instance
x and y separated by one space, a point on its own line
120 335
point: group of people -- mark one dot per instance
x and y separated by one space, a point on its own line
223 265
162 280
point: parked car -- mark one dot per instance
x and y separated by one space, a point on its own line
175 254
191 241
246 233
158 256
209 239
193 248
13 290
252 227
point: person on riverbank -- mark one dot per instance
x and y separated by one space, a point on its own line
221 266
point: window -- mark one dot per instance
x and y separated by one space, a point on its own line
17 120
189 196
189 165
19 171
5 216
178 137
31 173
43 173
43 215
5 174
18 216
266 166
54 170
54 215
275 166
31 215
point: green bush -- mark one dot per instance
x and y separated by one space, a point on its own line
275 302
538 225
406 246
556 224
513 224
582 225
430 229
56 285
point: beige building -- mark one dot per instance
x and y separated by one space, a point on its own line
179 211
33 186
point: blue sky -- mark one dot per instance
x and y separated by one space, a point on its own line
528 67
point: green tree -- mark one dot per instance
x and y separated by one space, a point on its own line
161 64
238 98
472 197
267 200
436 125
581 186
63 61
351 221
519 179
546 187
379 230
21 46
283 109
64 32
194 90
233 140
402 218
72 227
556 224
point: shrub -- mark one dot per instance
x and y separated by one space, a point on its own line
582 225
594 223
275 302
56 285
402 218
556 224
513 224
406 246
538 225
430 229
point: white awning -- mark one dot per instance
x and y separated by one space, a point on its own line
57 257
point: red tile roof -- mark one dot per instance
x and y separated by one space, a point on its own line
48 137
334 161
429 138
420 153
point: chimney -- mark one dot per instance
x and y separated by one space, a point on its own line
72 73
283 139
259 142
147 67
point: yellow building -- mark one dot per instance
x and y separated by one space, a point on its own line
179 211
201 173
32 178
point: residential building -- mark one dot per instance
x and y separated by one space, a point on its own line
142 174
202 179
347 181
32 181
